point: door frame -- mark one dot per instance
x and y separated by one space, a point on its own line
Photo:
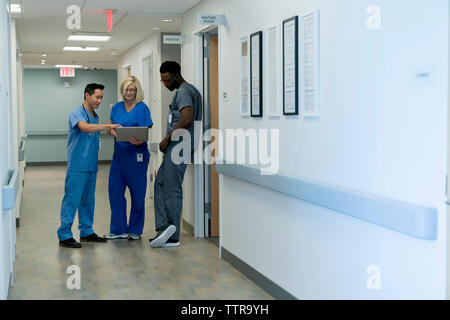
199 225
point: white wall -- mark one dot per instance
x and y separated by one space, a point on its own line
18 114
379 132
7 158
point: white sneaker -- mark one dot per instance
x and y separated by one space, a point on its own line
112 236
171 243
133 236
162 237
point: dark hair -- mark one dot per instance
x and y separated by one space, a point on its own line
91 87
171 67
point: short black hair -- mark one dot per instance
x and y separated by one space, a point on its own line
91 87
171 67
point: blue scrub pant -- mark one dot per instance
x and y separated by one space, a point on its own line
79 194
127 172
168 194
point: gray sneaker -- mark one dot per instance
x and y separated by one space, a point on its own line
162 237
133 236
112 236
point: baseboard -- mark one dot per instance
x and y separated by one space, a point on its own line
59 163
262 281
188 227
50 163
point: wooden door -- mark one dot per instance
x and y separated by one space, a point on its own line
214 114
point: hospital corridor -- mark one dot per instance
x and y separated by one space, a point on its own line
224 150
120 269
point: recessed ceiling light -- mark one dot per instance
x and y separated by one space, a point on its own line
44 55
167 20
15 8
43 61
81 49
88 38
67 66
156 28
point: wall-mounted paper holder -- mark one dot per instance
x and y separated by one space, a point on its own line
22 150
9 191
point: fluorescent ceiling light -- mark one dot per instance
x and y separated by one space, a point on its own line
88 38
15 8
156 28
44 55
81 49
67 66
167 20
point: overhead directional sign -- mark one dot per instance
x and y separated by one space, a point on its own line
172 39
209 19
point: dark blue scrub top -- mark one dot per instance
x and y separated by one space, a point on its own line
139 116
82 147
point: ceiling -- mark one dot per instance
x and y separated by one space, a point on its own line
41 28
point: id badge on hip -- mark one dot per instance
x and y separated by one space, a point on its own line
169 118
140 157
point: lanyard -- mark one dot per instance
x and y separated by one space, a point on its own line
88 119
85 112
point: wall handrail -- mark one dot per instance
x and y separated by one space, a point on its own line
410 219
53 133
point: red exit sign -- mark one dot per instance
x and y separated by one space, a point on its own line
67 72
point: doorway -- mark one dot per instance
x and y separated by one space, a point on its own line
149 98
211 121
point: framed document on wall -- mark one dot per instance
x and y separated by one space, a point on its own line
245 77
290 66
310 91
256 74
273 77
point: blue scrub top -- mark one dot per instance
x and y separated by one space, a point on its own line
82 147
139 116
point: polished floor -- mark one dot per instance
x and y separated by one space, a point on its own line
118 269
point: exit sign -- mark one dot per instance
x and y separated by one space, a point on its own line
67 72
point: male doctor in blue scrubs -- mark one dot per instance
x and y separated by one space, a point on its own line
81 177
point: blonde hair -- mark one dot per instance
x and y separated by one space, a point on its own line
132 80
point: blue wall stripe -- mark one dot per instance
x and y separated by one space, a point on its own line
413 220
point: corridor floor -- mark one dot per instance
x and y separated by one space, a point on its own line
118 269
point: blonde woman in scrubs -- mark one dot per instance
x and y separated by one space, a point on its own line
129 164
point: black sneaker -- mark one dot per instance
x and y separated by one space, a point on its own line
162 236
70 243
93 238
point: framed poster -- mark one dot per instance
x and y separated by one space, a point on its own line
290 66
256 74
310 91
273 63
245 76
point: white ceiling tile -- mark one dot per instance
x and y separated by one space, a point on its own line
42 27
170 6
